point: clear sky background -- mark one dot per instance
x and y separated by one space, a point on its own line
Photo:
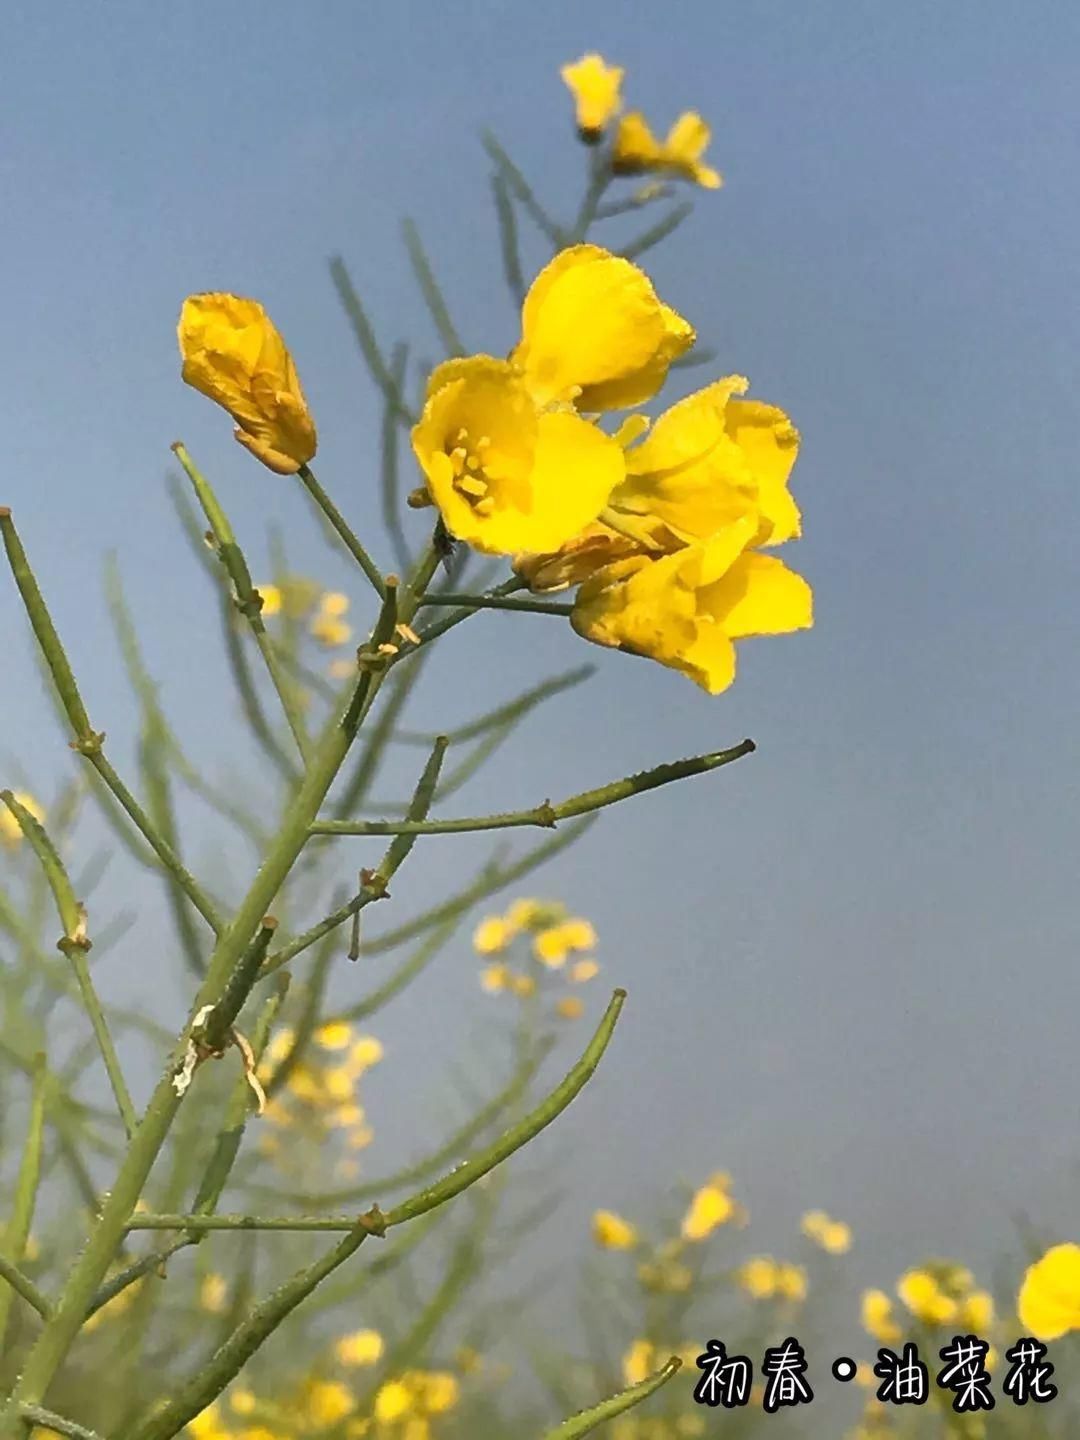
852 959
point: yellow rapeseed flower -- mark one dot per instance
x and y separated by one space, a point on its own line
976 1312
242 1402
686 610
327 1402
709 460
367 1051
1049 1301
208 1424
335 1035
877 1316
791 1282
362 1347
271 600
832 1235
594 333
583 970
524 914
637 149
214 1293
612 1232
924 1297
506 475
759 1276
10 834
495 979
570 1007
639 1362
554 945
233 354
509 461
491 935
710 1207
594 85
327 625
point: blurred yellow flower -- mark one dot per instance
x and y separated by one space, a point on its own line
612 1232
334 1036
523 914
214 1293
495 979
583 970
10 834
639 1362
233 354
594 85
791 1282
242 1402
637 149
758 1277
207 1425
362 1347
708 461
832 1235
710 1207
552 946
327 1401
326 625
686 610
924 1297
877 1316
271 600
523 984
570 1007
491 935
1049 1301
367 1051
976 1311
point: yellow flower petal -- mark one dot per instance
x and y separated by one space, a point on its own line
594 331
594 85
10 833
612 1232
507 478
1049 1302
233 354
877 1318
710 1207
924 1297
362 1347
637 149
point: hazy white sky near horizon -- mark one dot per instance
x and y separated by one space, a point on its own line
851 958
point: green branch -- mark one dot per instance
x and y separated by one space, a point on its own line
499 602
546 815
343 530
588 1420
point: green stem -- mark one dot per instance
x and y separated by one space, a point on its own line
491 879
17 1230
60 1423
344 530
88 742
24 1286
90 1269
248 599
76 954
546 815
498 602
429 288
588 1420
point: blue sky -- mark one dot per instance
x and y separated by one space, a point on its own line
851 958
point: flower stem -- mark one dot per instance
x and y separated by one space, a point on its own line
546 815
344 530
498 602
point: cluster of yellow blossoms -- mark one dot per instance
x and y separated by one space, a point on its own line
937 1294
558 943
10 834
663 530
597 90
319 1097
404 1407
300 599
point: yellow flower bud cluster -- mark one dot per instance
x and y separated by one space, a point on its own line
558 943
